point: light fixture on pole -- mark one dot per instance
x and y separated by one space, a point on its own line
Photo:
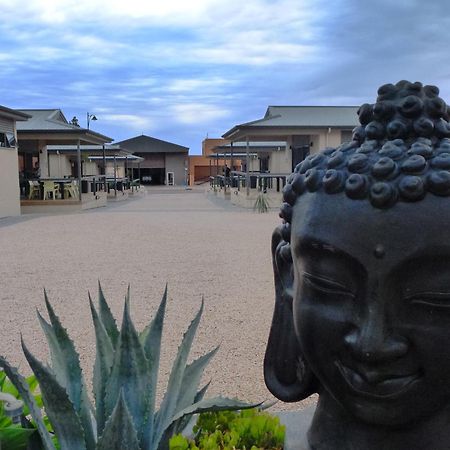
90 117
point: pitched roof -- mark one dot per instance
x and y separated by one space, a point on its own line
302 117
12 114
147 144
53 121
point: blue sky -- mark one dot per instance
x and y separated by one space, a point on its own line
181 70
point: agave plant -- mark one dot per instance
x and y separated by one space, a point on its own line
124 384
262 203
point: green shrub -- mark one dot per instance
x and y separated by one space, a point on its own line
125 380
229 430
17 431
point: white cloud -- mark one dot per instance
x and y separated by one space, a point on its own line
197 113
130 121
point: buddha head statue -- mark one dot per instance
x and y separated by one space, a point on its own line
362 280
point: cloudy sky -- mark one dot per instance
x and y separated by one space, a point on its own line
180 70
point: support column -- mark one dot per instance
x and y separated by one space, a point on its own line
43 159
115 176
79 169
247 171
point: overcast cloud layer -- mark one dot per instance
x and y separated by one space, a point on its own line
180 70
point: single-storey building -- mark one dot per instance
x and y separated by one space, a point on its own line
9 174
304 130
164 162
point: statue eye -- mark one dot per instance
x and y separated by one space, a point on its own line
326 285
434 299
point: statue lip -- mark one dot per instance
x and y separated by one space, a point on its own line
377 383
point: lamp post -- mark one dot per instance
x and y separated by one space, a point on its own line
90 117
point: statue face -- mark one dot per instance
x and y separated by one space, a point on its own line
372 304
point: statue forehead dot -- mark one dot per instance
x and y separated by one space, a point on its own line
379 251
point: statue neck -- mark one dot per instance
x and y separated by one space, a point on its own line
333 428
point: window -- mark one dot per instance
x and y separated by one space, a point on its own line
7 140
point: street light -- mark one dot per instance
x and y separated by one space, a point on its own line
90 117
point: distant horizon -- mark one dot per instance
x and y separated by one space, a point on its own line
182 72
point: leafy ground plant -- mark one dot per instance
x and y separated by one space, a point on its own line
17 432
124 384
228 430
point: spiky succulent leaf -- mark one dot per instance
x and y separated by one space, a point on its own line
191 379
164 417
151 341
214 405
129 373
119 432
177 426
67 369
59 408
104 359
107 318
24 390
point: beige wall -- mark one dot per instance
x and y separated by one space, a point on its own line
9 183
176 163
59 165
120 173
91 168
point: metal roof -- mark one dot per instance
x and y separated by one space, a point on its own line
300 117
109 149
13 114
147 144
254 146
53 121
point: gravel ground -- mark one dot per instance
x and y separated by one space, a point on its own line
200 246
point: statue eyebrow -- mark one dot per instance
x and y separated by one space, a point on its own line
308 242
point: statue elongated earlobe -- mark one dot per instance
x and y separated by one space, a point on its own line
286 372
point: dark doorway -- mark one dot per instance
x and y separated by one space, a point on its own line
300 149
264 164
151 176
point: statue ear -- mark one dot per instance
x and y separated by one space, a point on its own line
286 372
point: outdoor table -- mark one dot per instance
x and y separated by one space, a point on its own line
59 181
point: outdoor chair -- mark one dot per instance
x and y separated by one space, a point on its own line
35 190
71 189
50 190
135 184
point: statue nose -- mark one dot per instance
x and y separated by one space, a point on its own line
373 342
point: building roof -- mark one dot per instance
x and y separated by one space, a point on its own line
89 149
277 117
254 146
53 121
13 114
147 144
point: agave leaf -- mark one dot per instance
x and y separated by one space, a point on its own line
191 379
129 373
102 369
107 318
151 340
213 405
60 410
168 406
66 366
119 432
24 390
179 425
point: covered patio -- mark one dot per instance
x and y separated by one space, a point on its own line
50 180
243 186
